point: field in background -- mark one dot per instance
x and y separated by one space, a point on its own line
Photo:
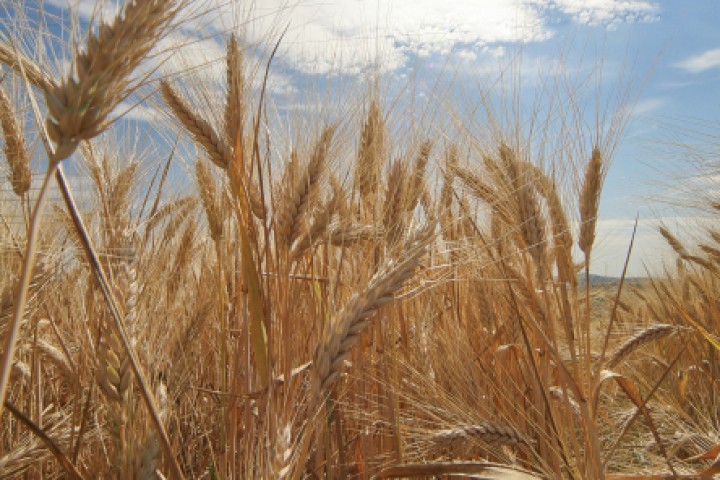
340 295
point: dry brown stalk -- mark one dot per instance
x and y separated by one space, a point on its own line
648 335
489 433
201 130
446 193
342 332
30 450
80 104
589 200
299 198
16 152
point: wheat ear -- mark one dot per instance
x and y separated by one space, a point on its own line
201 131
298 198
489 433
648 335
24 67
342 332
235 90
589 199
80 104
15 149
210 200
371 153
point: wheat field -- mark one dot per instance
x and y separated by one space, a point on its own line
328 299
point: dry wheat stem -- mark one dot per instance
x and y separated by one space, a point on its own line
23 288
118 321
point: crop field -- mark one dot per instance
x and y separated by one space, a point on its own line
230 292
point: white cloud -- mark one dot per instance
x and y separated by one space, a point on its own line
353 36
701 62
647 106
609 13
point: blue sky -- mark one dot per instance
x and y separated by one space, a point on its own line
669 51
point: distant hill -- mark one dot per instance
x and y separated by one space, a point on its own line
599 280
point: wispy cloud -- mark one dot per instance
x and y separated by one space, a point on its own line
701 62
353 36
609 13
